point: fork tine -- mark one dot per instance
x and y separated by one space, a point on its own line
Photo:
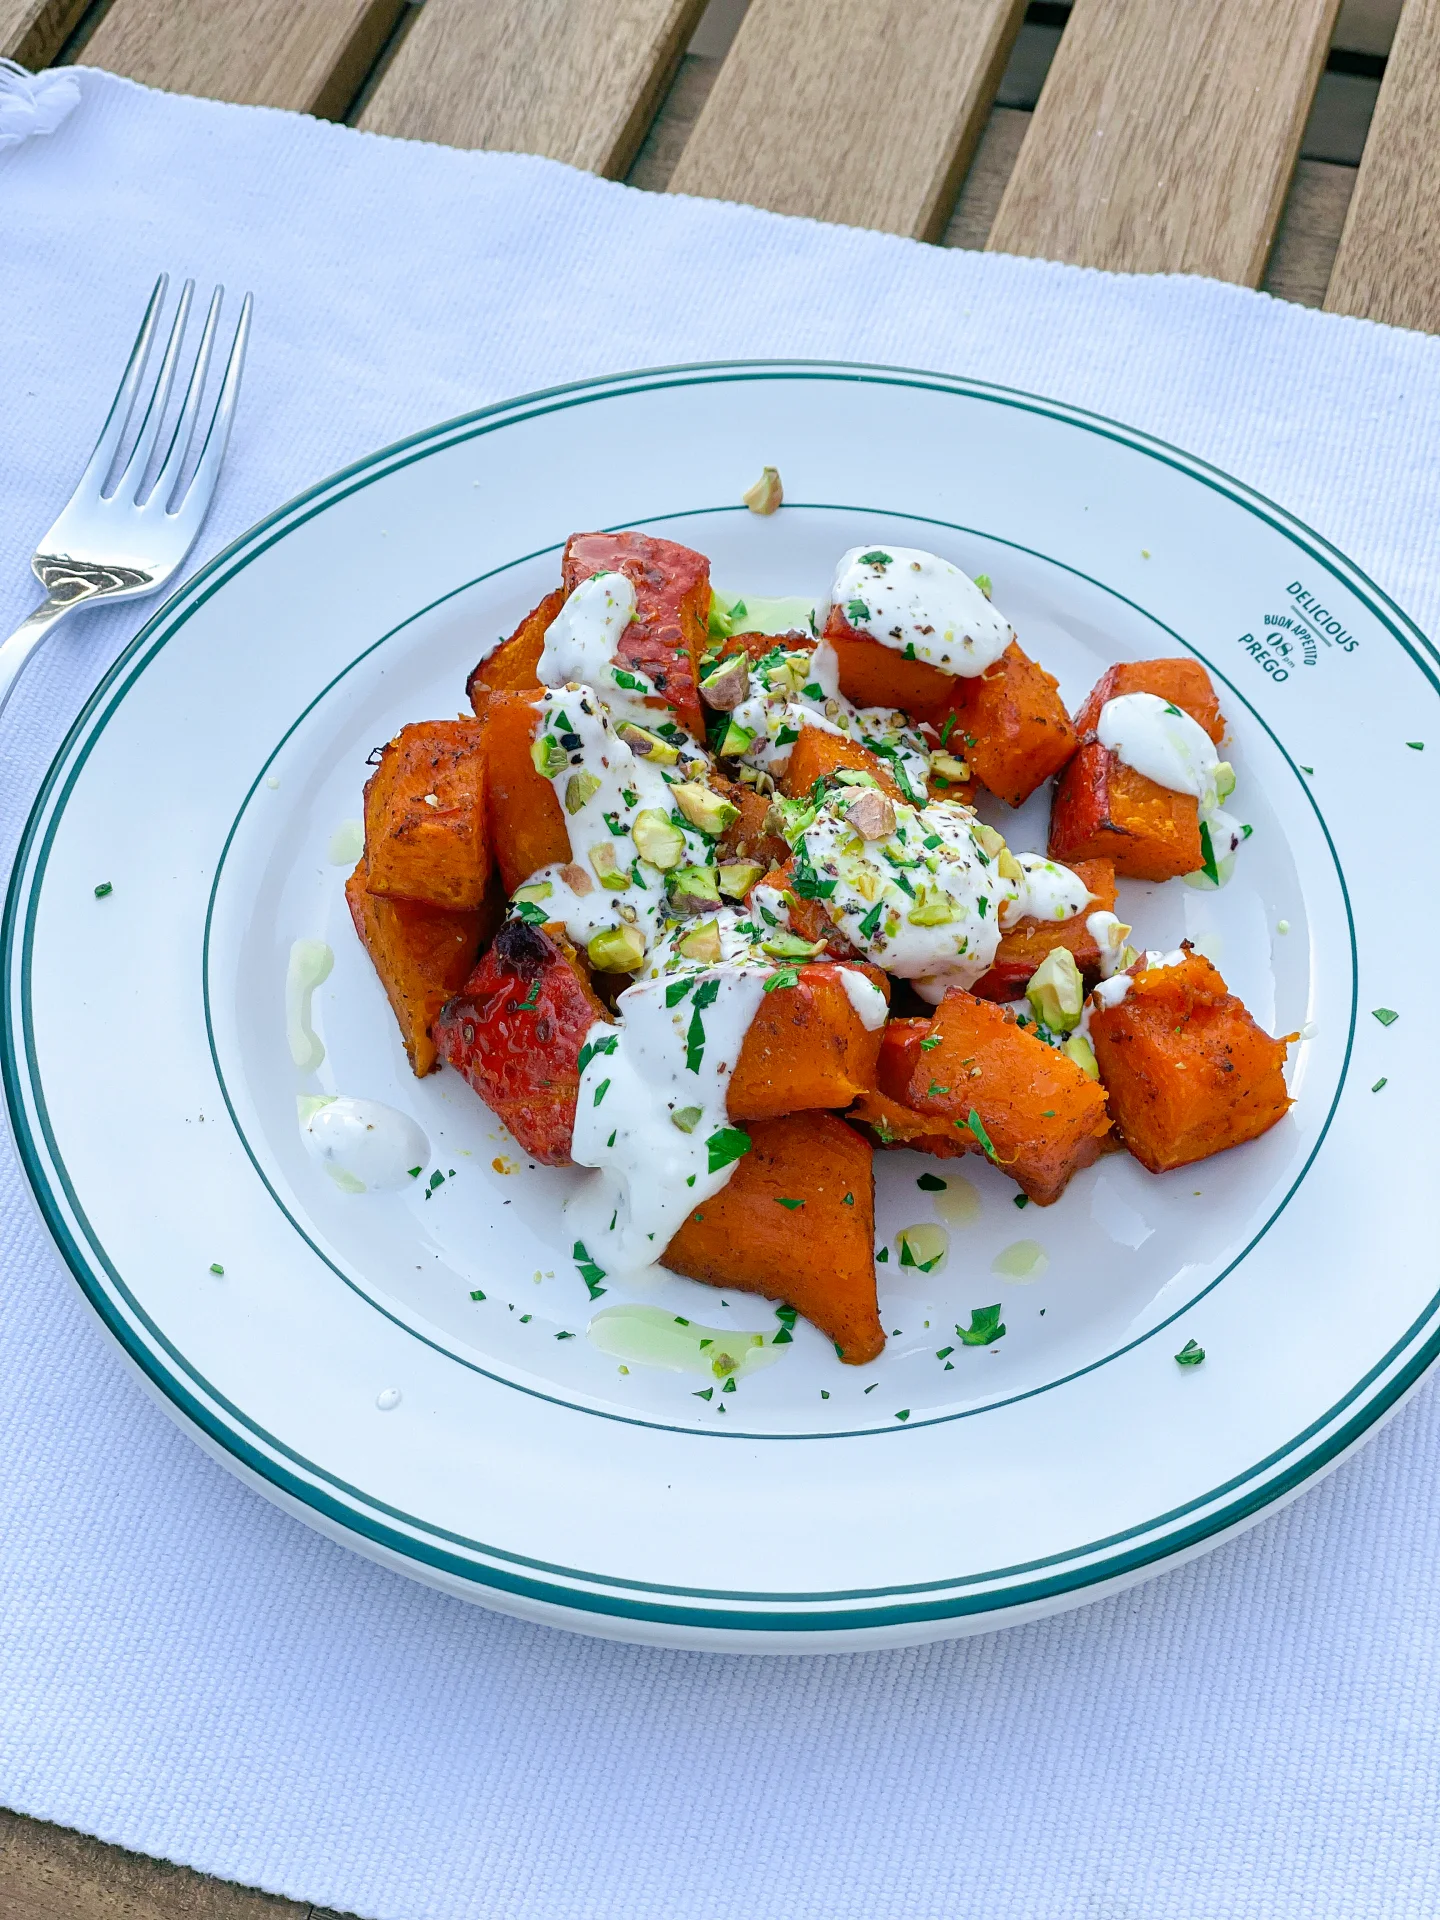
184 427
118 418
128 486
217 436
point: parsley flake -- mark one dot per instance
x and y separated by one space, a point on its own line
1387 1016
984 1328
856 612
977 1127
786 977
790 1205
1190 1355
104 887
725 1145
215 1267
589 1272
1382 1081
930 1183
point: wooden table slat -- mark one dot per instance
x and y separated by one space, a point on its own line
1388 264
575 79
1166 136
309 55
861 111
33 31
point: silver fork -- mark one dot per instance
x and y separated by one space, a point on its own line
116 545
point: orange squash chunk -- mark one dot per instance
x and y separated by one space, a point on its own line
1188 1071
755 646
1106 811
819 1258
1045 1120
416 850
1184 683
1025 946
515 1031
807 1048
808 918
876 676
883 1112
527 823
746 837
672 608
817 753
514 665
421 953
1009 724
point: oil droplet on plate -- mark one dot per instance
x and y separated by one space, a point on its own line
960 1202
347 843
387 1399
310 964
1021 1262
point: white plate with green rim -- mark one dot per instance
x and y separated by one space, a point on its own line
394 1368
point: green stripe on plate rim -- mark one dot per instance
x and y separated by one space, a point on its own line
1058 1575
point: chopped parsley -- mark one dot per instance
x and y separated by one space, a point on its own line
931 1041
600 1093
870 925
676 991
1190 1355
590 1049
984 1328
629 681
977 1126
527 910
1416 746
875 558
726 1144
904 1414
532 999
1387 1016
930 1183
786 977
477 1294
882 1256
1209 866
1022 1199
856 612
104 887
589 1272
790 1204
1382 1081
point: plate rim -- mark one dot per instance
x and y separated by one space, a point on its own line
22 898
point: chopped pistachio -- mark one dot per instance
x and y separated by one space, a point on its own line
789 818
693 890
872 814
616 950
855 777
576 878
658 839
548 756
702 943
789 946
986 838
535 893
647 745
607 868
1079 1049
579 788
737 877
710 812
946 767
737 739
933 908
766 494
1056 992
1009 868
686 1118
1224 779
725 686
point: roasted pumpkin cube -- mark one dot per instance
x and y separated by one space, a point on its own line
808 918
527 822
755 646
672 610
1025 946
747 837
883 1112
873 675
806 1048
1042 1117
514 665
1008 724
1184 683
1188 1072
421 953
425 823
515 1031
819 1257
1104 810
817 753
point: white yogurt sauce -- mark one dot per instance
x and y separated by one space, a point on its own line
581 643
1047 891
1170 747
365 1146
921 606
598 820
929 902
802 689
1112 992
1110 935
872 1009
651 1116
309 967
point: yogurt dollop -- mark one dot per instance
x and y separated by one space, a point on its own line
921 606
365 1146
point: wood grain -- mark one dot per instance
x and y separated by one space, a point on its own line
1388 265
309 56
989 175
1310 228
33 31
861 111
49 1873
1166 135
575 79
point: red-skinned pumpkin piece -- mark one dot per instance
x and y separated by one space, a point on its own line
672 609
515 1031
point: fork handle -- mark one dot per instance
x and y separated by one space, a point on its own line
16 651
